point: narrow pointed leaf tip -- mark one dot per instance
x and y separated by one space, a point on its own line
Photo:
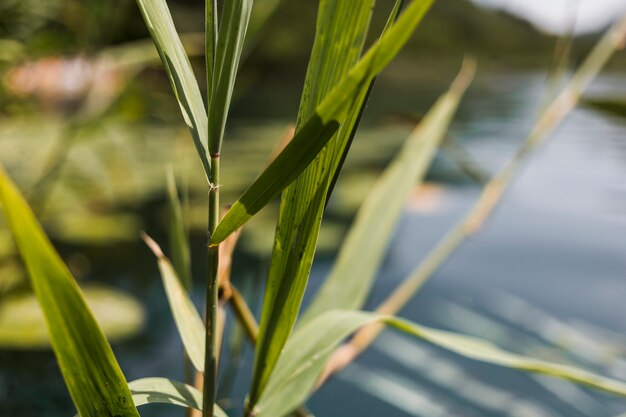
319 129
232 33
92 375
186 316
181 257
341 31
176 63
362 252
310 347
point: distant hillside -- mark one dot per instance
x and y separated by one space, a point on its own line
452 29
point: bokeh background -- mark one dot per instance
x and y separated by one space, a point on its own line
88 125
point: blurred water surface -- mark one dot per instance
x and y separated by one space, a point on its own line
546 277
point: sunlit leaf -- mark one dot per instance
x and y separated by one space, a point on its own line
309 349
176 62
363 250
340 34
232 32
186 316
320 127
167 391
348 132
181 257
92 375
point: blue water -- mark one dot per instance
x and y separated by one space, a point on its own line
545 277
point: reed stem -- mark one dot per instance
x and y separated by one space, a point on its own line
210 358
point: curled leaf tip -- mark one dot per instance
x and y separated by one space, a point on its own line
152 245
466 74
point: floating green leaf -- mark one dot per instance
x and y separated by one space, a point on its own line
176 62
92 375
23 325
362 252
188 320
309 349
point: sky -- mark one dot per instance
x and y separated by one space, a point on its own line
557 16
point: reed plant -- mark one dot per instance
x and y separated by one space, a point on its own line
295 351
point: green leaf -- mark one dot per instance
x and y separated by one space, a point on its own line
92 375
346 136
308 351
186 316
340 34
167 391
176 62
232 32
319 128
210 43
181 258
362 252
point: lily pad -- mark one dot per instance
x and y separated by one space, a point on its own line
22 324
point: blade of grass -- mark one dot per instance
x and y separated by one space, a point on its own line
210 43
346 136
319 128
311 346
361 254
186 316
92 375
232 32
181 258
340 33
176 62
491 195
166 391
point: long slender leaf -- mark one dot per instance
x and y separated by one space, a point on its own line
210 43
340 34
308 350
232 32
181 258
346 136
319 128
176 62
166 391
187 319
362 252
92 375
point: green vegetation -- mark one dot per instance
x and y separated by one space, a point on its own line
295 351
